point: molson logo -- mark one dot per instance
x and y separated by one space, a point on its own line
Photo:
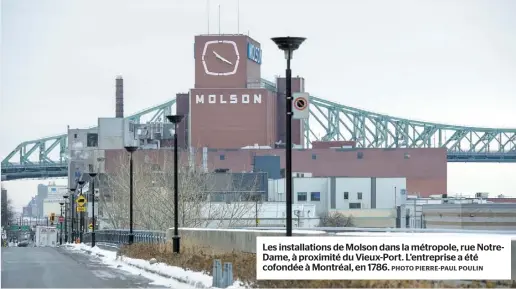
228 99
254 53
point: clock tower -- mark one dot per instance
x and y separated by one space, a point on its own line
226 61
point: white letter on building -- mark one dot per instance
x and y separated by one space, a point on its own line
222 100
199 98
257 98
233 98
245 98
212 98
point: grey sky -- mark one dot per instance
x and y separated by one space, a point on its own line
442 61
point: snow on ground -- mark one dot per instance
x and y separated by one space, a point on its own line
161 273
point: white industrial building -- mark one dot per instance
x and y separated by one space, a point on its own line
54 197
342 193
82 144
86 146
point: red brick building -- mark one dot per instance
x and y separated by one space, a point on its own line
229 109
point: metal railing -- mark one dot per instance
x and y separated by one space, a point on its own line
121 236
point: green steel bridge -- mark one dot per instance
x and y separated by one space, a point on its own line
32 159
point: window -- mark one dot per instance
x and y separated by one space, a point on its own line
346 195
360 155
359 196
314 156
131 126
355 205
315 196
75 135
222 157
301 197
92 140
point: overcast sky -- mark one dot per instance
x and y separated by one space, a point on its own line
443 61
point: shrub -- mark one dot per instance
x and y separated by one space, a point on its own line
336 219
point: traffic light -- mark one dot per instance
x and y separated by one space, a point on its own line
52 217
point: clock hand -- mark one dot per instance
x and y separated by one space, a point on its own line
222 58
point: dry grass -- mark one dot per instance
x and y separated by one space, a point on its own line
198 258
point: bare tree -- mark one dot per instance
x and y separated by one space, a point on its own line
335 219
205 199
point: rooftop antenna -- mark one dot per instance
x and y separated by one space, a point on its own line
208 14
219 19
238 16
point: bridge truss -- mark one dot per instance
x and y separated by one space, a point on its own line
373 130
32 159
45 166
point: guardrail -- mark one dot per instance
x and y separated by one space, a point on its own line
121 236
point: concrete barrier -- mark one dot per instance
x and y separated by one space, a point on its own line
231 239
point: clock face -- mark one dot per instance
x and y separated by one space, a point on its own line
220 58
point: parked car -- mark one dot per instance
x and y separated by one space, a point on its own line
23 244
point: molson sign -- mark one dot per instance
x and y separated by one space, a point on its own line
227 98
254 53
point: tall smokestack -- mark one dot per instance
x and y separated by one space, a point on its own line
119 97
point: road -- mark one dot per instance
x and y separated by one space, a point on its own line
32 267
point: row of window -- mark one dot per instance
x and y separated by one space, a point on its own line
92 139
360 155
316 196
303 196
346 196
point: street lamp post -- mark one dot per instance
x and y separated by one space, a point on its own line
93 175
61 224
131 150
175 119
288 45
72 212
81 225
65 219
